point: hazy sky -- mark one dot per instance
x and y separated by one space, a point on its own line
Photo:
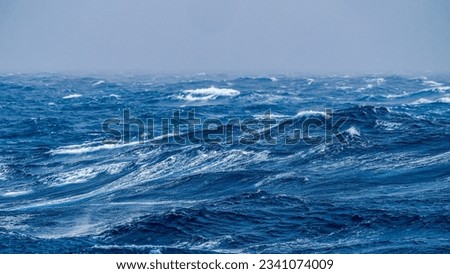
251 36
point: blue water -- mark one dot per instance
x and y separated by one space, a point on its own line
63 189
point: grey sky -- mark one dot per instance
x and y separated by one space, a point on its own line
251 36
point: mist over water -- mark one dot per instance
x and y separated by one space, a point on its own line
307 37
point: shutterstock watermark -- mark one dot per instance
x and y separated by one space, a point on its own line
185 128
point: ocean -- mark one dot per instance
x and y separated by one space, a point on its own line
222 164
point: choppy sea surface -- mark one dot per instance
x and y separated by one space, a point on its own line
63 189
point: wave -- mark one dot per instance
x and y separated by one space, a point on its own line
378 81
114 96
16 193
303 113
440 89
88 147
71 96
204 94
64 191
422 101
432 83
83 175
98 83
352 131
388 125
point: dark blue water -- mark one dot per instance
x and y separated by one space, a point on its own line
386 189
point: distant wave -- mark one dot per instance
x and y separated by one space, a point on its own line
204 94
98 83
310 113
441 89
71 96
432 83
422 101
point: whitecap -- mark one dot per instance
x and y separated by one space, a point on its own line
387 125
16 193
441 89
70 96
114 96
310 113
444 100
98 83
377 81
285 175
83 175
428 101
391 96
203 94
77 176
352 131
87 148
272 116
422 101
432 83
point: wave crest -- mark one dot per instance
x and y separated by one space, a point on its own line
204 94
